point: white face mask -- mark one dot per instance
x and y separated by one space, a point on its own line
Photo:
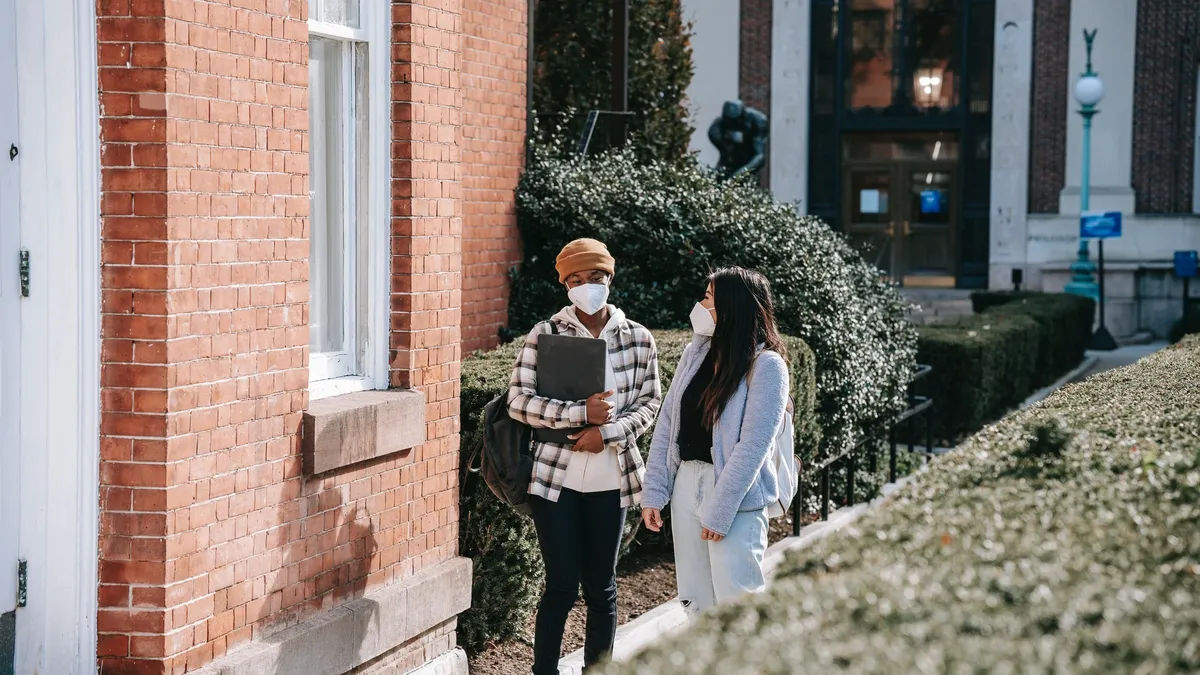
589 298
702 321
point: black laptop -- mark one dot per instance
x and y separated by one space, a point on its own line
569 369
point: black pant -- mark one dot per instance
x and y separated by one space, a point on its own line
579 537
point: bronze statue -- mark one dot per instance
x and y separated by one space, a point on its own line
740 134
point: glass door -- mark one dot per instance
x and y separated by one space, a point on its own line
900 198
928 218
870 208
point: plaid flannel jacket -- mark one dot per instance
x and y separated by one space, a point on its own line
634 358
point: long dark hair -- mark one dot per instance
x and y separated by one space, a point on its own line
745 320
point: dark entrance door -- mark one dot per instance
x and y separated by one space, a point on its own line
899 129
900 200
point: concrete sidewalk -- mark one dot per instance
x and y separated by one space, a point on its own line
1118 358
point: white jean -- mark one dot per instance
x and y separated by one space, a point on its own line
712 572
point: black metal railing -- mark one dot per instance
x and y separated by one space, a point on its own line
848 459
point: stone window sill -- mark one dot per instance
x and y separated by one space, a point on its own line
342 430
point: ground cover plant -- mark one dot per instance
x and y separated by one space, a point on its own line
1064 539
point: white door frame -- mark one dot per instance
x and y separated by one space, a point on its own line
10 344
60 334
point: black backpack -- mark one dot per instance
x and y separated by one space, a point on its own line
505 455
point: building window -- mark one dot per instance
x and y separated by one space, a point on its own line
347 181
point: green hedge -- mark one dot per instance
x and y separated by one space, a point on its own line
984 365
1064 539
1066 327
502 543
982 301
669 225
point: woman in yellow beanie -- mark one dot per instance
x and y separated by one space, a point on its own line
579 493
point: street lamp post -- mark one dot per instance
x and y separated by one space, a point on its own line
1088 92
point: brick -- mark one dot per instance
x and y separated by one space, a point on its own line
1164 105
210 533
493 142
1048 105
754 61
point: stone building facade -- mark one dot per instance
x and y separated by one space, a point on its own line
992 138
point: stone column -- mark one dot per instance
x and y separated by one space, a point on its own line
1112 129
1012 75
790 62
716 32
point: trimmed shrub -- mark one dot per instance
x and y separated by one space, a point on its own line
669 225
1066 328
572 51
984 365
1063 539
503 543
982 301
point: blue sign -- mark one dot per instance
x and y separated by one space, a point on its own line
931 201
1096 225
1186 264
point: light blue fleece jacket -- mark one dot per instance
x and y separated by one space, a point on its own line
742 440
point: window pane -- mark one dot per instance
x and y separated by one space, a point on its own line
933 52
983 19
362 174
327 242
341 12
869 83
824 58
939 147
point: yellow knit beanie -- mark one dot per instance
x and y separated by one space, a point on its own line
582 255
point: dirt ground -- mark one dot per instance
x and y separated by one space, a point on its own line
644 581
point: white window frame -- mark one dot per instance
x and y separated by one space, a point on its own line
364 364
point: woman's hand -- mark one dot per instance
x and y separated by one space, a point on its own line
652 518
708 535
599 409
588 440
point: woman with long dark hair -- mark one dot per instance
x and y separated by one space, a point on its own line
710 456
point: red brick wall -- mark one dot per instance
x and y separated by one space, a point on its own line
1164 104
493 146
754 63
205 335
211 536
134 418
1048 112
427 262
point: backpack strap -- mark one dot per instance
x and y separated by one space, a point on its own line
790 408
